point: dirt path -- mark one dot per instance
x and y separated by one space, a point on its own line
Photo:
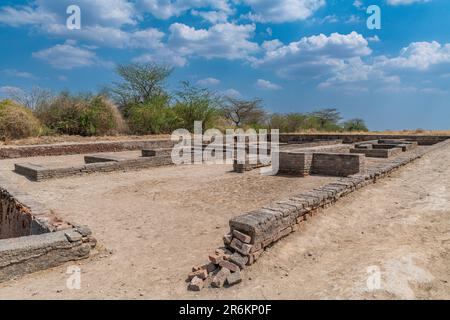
400 226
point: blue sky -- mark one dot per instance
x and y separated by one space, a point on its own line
298 55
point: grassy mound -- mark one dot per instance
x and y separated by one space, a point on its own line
17 122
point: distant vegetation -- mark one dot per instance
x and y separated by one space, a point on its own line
17 121
141 104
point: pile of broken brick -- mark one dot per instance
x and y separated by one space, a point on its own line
225 265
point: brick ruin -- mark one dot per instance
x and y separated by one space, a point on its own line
251 233
32 238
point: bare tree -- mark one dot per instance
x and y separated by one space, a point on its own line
32 99
241 112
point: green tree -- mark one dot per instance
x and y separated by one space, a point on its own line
196 104
154 116
355 125
140 82
244 112
327 119
278 121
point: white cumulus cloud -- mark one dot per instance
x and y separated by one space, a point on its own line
267 85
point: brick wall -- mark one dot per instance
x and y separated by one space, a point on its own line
378 153
39 173
336 164
254 231
421 139
80 148
295 163
15 219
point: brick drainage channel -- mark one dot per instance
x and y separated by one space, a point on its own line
252 232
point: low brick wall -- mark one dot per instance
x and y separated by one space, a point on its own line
333 164
11 152
314 144
40 173
423 140
378 153
295 160
254 231
338 164
295 163
32 238
20 215
24 255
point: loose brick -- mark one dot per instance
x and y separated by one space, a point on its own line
215 258
202 274
223 252
241 247
220 278
227 239
196 284
254 257
239 260
210 267
229 265
234 278
242 237
73 236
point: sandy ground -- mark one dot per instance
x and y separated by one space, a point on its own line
158 223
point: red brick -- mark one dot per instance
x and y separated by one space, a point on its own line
229 265
196 284
242 237
202 274
234 278
241 247
227 239
220 278
215 258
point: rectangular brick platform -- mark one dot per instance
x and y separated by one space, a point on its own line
378 153
40 173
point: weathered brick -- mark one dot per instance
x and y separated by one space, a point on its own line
234 278
216 258
73 236
202 274
220 278
239 260
229 265
241 247
196 284
227 239
242 237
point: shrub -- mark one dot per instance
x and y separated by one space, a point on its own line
355 125
78 115
100 117
154 116
17 122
